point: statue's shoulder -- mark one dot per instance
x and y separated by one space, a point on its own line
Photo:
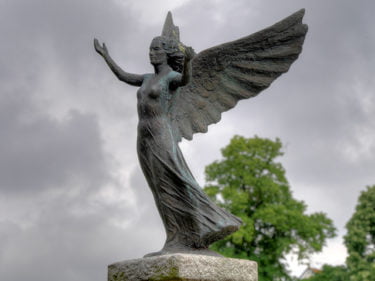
173 75
148 75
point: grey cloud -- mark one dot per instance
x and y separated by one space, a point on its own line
66 246
38 152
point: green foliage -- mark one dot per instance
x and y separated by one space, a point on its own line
360 238
360 242
252 185
331 273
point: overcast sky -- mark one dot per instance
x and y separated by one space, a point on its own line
72 196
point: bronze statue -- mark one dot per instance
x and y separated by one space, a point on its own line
185 94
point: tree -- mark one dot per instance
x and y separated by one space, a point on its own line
360 243
252 185
331 273
360 238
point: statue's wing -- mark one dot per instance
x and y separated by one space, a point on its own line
237 70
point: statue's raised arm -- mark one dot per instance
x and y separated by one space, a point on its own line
129 78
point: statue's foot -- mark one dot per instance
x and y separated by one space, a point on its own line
183 250
179 246
212 237
153 254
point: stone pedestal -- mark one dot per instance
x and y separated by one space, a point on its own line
183 267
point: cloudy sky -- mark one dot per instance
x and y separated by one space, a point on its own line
72 196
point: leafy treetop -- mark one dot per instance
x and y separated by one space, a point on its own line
251 184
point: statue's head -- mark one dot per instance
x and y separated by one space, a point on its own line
166 49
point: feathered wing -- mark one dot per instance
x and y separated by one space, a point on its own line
237 70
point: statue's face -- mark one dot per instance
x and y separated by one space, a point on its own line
157 53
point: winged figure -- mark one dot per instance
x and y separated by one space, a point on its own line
186 93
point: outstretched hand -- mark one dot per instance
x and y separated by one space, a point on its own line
101 49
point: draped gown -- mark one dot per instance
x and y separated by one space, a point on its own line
190 218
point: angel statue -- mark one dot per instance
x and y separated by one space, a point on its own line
186 93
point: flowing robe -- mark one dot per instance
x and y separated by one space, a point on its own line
190 218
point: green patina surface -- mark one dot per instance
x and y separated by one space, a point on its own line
119 276
160 274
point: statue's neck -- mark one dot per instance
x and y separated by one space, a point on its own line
161 68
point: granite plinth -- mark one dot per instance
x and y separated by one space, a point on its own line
183 267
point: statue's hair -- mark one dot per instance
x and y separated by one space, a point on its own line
174 54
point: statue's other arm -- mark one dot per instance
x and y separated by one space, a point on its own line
129 78
187 72
185 78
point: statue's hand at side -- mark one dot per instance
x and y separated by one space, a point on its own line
101 49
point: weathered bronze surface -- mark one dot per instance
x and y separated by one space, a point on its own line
185 94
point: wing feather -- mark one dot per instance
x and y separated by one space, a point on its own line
233 71
261 67
225 99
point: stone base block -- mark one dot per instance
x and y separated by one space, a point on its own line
183 267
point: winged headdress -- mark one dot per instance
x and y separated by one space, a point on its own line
224 74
